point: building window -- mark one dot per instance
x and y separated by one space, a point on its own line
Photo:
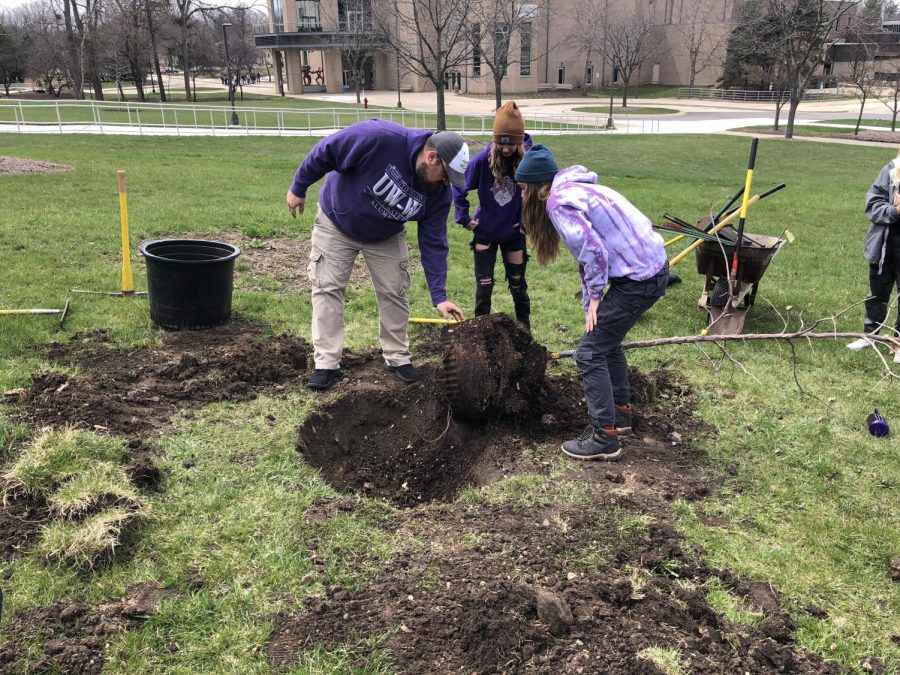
308 16
476 50
277 16
501 48
561 74
525 58
589 79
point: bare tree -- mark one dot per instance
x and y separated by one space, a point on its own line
861 74
127 18
47 55
360 37
888 93
430 38
701 39
500 23
589 33
630 42
13 51
82 20
802 31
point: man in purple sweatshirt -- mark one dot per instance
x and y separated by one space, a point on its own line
380 175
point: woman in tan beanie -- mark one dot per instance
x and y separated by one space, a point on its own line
497 220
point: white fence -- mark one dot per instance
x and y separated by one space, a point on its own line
112 117
748 96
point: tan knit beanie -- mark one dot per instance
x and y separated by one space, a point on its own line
508 124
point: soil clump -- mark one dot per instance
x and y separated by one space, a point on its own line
74 636
135 393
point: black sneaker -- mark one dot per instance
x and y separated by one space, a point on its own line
407 372
594 445
323 378
623 419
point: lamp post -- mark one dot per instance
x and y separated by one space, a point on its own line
612 84
234 117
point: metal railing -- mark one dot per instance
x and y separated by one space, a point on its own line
112 117
750 96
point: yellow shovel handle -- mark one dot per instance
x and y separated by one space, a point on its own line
418 320
726 221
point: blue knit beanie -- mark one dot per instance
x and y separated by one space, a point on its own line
537 166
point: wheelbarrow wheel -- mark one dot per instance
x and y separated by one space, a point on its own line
719 295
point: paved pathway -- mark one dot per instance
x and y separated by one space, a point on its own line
694 116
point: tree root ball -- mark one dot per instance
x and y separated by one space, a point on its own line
492 367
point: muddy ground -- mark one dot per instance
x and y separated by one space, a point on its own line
542 585
20 166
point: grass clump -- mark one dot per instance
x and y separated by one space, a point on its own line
87 543
81 477
58 456
104 485
667 659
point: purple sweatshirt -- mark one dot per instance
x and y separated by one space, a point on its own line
371 191
500 205
604 231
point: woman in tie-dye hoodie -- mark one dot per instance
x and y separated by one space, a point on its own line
614 244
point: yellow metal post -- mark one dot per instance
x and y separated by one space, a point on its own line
127 281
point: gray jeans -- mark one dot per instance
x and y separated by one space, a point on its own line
331 261
600 357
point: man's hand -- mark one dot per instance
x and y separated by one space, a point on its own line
449 310
472 224
590 317
295 203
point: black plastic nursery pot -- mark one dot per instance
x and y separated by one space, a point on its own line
189 282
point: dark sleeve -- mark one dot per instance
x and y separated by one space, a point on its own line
434 248
460 196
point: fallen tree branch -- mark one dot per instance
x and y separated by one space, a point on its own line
886 340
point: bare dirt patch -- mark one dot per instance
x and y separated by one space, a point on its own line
20 518
517 599
74 636
20 166
138 392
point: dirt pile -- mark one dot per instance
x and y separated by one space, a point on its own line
522 599
492 367
137 392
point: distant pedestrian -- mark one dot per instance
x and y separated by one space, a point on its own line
380 175
882 251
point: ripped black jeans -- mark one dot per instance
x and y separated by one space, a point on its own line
486 260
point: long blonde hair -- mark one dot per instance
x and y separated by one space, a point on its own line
543 236
895 170
497 161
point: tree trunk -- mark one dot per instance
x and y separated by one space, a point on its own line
498 92
862 105
119 87
441 122
624 93
186 65
779 104
151 30
74 51
792 114
139 84
894 117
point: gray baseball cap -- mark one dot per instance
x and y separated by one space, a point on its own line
454 152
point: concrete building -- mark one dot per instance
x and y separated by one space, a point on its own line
310 40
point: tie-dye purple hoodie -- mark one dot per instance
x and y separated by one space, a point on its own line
604 231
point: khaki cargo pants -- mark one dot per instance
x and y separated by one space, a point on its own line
330 264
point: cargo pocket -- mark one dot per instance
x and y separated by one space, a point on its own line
316 269
405 280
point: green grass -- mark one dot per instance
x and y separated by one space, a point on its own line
630 110
882 124
812 508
